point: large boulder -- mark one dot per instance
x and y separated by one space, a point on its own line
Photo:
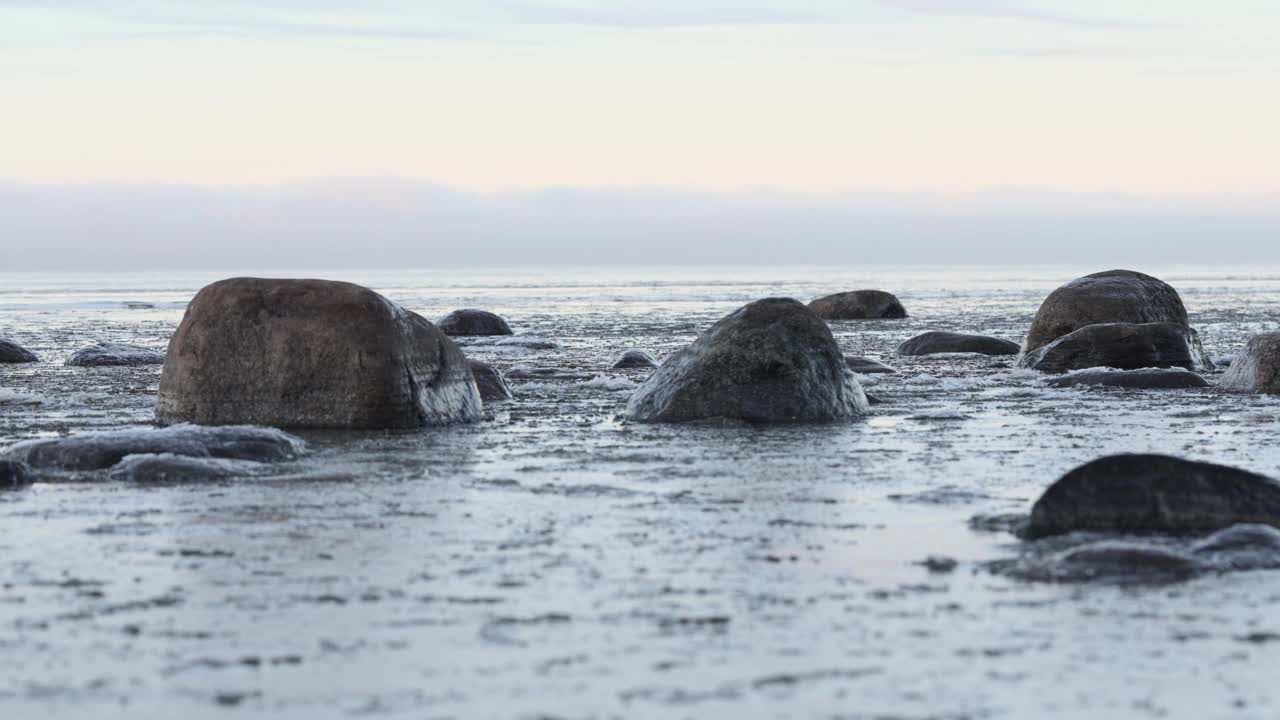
489 381
934 342
859 305
773 360
12 352
473 322
311 353
101 450
1148 379
1114 296
1154 494
1122 346
107 354
1257 369
632 359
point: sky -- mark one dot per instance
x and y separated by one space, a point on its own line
566 131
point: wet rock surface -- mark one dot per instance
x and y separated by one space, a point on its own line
311 354
473 322
859 305
1113 296
772 360
867 366
1154 493
170 468
105 354
14 474
1148 379
635 359
1257 369
12 352
101 450
489 381
1120 346
935 342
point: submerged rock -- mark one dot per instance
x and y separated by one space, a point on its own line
635 359
14 473
1257 369
105 354
1122 346
1148 379
1114 296
169 468
473 322
101 450
490 383
1154 494
1112 561
311 353
867 366
528 373
773 360
934 342
12 352
859 305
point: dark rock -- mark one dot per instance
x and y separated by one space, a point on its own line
12 352
1117 561
168 468
101 450
1149 379
1154 494
311 353
105 354
1121 346
939 564
932 343
14 473
490 383
635 359
528 373
859 305
866 366
1257 369
773 360
1237 538
1114 296
874 400
473 322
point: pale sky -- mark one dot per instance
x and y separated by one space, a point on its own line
816 99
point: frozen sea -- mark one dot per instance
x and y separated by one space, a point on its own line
554 562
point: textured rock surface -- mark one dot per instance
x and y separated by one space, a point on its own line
635 359
473 322
1114 296
101 450
105 354
773 360
1257 369
934 342
12 352
14 473
1121 346
859 305
867 366
311 353
169 468
1148 379
488 381
1154 494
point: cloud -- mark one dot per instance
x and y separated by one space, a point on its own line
655 16
1006 11
395 223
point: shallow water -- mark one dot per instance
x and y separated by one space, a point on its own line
555 562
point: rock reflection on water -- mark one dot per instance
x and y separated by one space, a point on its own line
554 561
